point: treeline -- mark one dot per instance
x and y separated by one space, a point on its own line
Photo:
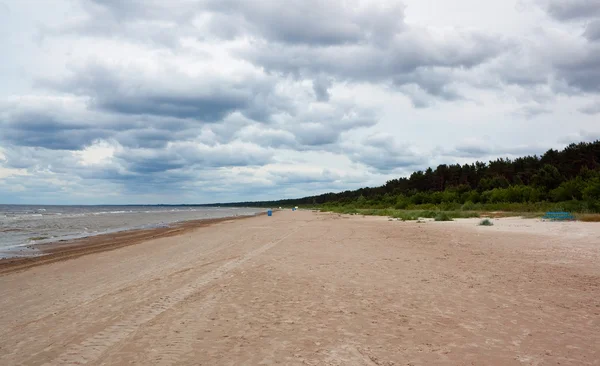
570 176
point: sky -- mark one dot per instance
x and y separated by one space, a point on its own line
203 101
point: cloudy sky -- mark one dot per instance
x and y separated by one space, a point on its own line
199 101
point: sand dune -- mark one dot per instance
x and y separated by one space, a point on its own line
316 289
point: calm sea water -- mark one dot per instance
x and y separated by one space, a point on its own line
22 225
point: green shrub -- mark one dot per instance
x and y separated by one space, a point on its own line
402 203
450 206
569 190
465 215
468 206
486 222
420 198
442 216
592 191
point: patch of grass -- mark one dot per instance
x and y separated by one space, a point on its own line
404 215
486 222
467 215
442 216
36 238
531 215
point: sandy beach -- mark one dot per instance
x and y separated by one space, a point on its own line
307 288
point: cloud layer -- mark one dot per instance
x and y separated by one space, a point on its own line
205 100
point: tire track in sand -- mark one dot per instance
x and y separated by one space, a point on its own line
93 347
125 286
180 344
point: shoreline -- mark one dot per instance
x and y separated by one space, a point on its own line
50 252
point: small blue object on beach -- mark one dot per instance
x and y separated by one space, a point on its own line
269 213
293 208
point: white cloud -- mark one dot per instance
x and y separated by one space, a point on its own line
96 154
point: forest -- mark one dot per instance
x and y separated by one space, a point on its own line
557 180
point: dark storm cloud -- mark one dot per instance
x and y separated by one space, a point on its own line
149 166
582 72
295 22
129 91
567 10
368 62
150 136
312 22
315 134
63 139
147 111
133 9
157 23
149 161
204 107
567 66
592 31
432 81
321 87
56 124
38 129
140 180
413 57
191 155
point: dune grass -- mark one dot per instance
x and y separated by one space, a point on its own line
588 217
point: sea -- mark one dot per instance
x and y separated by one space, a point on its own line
23 225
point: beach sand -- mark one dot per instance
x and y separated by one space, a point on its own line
305 288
